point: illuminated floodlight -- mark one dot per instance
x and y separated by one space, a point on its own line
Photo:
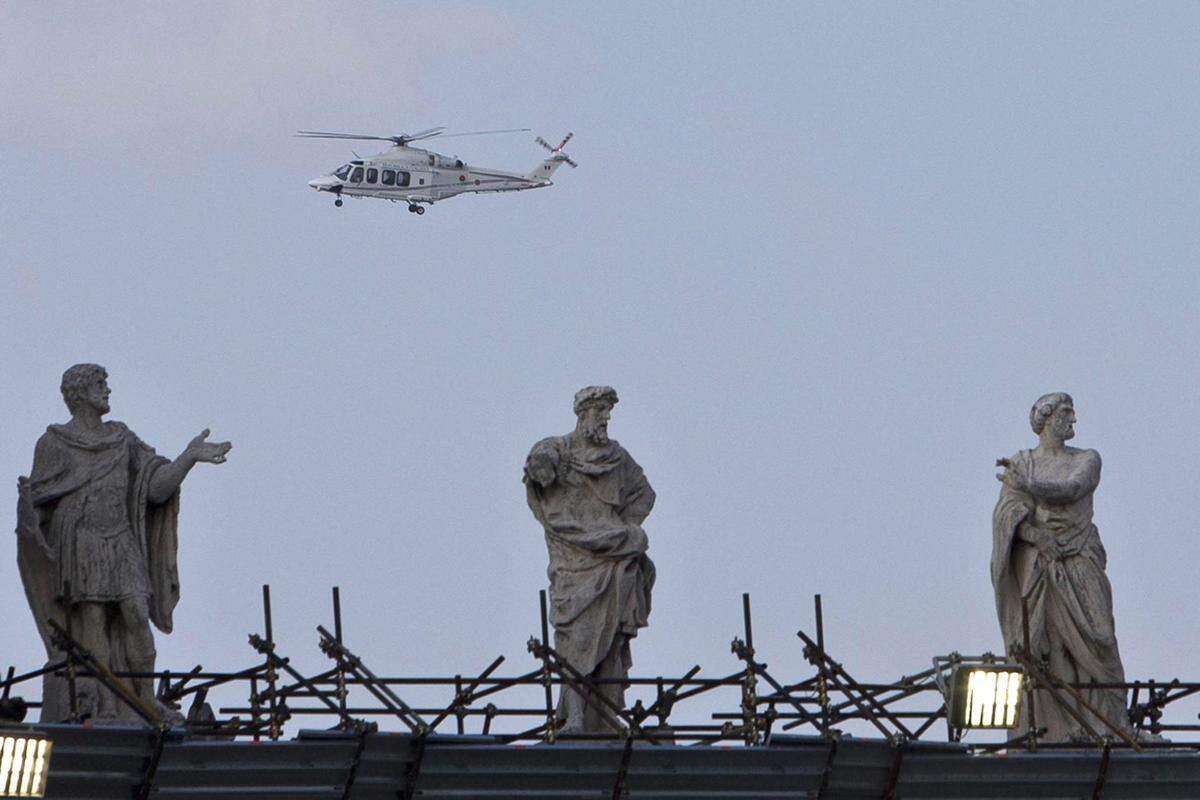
984 696
24 764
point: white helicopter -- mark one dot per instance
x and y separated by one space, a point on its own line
420 177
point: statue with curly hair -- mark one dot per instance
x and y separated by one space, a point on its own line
96 541
1046 551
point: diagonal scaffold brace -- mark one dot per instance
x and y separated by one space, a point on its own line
464 696
78 654
663 706
1059 690
613 715
349 662
865 701
279 709
832 673
168 691
754 671
177 691
1056 687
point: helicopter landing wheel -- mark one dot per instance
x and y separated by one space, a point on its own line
338 202
412 208
420 210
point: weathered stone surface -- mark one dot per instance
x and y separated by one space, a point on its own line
591 498
1047 550
96 540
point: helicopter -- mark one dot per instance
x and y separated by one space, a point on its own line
405 174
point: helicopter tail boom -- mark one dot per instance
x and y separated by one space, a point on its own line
544 170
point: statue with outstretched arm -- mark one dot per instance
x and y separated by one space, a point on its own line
96 542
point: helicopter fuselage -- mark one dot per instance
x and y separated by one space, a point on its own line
415 176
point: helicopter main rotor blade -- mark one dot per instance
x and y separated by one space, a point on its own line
401 140
325 135
429 133
405 138
480 133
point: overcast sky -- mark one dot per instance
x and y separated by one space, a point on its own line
827 254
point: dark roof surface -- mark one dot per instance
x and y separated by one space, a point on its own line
98 763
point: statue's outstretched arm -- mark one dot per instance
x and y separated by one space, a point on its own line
1082 479
168 478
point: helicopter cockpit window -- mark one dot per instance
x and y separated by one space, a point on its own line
372 174
343 172
356 176
403 178
389 177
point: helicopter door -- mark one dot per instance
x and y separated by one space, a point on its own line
419 181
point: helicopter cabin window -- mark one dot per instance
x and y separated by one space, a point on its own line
403 178
357 175
432 160
372 175
388 178
343 172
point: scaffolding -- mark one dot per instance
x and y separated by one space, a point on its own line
824 702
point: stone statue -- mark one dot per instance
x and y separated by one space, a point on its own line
1046 549
591 498
96 540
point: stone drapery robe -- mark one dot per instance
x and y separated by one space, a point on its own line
97 531
1070 600
600 575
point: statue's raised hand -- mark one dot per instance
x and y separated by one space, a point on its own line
207 452
1012 475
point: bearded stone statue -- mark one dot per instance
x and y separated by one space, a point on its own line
591 498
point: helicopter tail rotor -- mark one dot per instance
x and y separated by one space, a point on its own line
558 151
557 157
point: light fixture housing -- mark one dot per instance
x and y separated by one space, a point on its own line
985 696
24 763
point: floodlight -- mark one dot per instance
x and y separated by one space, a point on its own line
24 764
984 696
